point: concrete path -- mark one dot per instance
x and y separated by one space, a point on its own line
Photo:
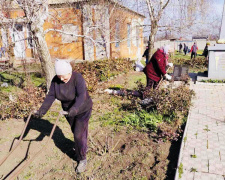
202 153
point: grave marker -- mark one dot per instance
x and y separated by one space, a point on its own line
216 67
180 72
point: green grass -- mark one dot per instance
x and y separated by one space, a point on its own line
143 62
193 156
143 119
7 75
33 67
11 76
116 87
12 89
193 170
213 81
139 119
178 55
132 80
37 79
180 170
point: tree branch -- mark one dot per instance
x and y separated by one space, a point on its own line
150 9
166 4
76 35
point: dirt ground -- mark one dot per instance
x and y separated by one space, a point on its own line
113 152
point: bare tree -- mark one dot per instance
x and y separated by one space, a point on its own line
155 10
176 18
96 33
35 13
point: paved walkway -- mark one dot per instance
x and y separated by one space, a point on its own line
203 147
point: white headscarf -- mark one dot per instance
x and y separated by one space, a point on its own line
62 67
166 49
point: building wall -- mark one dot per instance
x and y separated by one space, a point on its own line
15 40
95 16
96 31
129 46
81 21
62 45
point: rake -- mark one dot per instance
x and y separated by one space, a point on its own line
15 173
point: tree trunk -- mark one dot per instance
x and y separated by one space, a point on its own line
36 16
10 51
151 41
44 54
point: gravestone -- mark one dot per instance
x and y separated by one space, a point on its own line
216 67
222 29
180 73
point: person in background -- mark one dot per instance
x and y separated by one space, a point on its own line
185 49
206 51
2 52
146 54
180 47
156 68
70 88
193 51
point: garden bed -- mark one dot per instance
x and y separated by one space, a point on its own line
125 141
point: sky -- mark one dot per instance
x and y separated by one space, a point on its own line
219 6
215 12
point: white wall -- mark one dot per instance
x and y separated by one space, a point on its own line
174 44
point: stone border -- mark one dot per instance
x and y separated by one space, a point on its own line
182 147
211 84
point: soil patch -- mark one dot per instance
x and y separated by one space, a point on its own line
114 152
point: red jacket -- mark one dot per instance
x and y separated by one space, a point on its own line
194 48
157 66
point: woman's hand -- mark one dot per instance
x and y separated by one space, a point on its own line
63 112
72 112
38 114
168 77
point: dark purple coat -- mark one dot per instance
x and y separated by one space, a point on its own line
72 94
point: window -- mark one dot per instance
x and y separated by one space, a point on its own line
128 35
4 38
18 27
29 37
70 31
137 36
117 32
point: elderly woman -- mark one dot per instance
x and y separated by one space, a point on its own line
70 88
156 68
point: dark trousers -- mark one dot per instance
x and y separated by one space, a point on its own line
146 60
193 54
151 83
79 127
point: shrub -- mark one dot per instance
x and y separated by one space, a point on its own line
198 62
19 105
165 111
170 102
102 70
167 133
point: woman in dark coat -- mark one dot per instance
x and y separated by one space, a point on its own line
70 88
185 49
156 68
